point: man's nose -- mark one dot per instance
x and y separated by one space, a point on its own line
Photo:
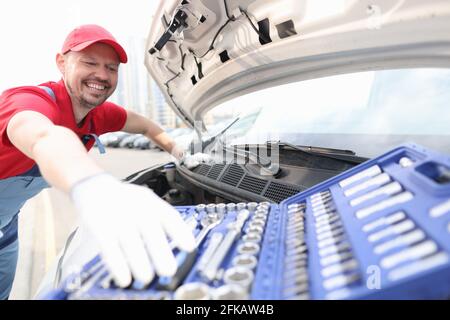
102 73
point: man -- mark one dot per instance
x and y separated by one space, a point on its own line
45 133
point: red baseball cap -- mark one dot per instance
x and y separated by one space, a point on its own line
86 35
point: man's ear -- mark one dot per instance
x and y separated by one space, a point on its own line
60 63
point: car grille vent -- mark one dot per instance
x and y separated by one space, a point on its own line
278 192
215 171
252 184
233 175
202 169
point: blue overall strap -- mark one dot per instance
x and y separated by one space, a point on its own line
49 91
101 147
8 234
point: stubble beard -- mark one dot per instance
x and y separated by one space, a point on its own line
82 102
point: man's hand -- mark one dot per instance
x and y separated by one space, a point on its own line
194 160
131 224
178 153
190 160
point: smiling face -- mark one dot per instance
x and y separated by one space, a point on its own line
90 75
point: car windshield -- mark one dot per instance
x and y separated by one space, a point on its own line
367 112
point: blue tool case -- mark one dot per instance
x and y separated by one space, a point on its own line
380 230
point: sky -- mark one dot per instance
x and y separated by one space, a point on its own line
32 32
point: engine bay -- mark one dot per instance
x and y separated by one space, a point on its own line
241 180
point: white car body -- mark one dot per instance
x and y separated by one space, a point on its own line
310 39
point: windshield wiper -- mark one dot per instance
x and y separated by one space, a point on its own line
265 164
211 140
338 154
313 148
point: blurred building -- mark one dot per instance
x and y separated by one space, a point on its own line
137 91
162 113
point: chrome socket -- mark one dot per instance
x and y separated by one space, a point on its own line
261 216
239 276
252 237
264 210
200 208
246 261
254 229
262 221
241 206
251 206
265 204
211 208
231 206
251 248
221 208
296 290
193 291
230 292
257 223
297 206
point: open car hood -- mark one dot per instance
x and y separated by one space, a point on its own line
205 52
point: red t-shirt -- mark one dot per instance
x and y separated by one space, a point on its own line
107 117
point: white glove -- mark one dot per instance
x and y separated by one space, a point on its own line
178 153
194 160
190 160
131 223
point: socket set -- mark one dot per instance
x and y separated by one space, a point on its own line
380 230
229 239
